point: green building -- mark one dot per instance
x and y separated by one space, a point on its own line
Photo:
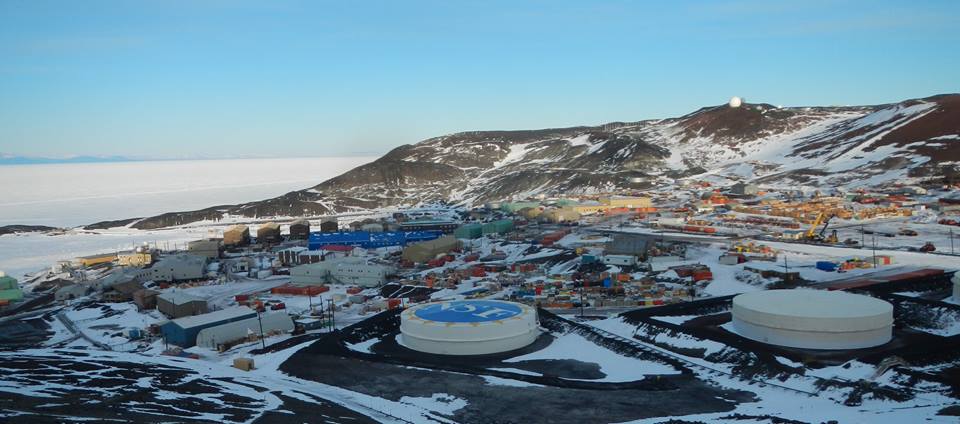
513 207
498 227
9 289
468 231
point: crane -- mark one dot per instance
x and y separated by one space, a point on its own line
812 234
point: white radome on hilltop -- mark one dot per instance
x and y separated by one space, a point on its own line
735 101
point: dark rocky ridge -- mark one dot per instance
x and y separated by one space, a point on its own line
477 166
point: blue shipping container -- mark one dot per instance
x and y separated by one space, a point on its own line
826 266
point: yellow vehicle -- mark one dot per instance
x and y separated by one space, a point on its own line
812 235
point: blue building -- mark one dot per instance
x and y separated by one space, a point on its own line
183 331
368 240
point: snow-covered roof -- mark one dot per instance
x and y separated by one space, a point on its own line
179 297
213 317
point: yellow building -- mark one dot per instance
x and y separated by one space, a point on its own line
92 260
588 209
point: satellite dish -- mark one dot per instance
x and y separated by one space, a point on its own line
735 101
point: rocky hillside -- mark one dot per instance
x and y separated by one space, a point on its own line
810 146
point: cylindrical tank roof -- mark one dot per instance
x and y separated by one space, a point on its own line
468 327
816 319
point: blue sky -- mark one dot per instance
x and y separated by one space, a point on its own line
286 78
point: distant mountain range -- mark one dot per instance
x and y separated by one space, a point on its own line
33 160
772 146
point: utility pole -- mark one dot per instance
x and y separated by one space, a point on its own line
874 250
862 236
333 320
786 267
581 299
263 344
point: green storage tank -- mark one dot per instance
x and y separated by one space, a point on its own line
468 231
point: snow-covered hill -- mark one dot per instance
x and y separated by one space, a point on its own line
809 146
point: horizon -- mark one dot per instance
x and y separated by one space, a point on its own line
291 79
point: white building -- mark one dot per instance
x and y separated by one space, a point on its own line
348 270
176 268
231 332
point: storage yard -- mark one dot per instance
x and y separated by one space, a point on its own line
619 300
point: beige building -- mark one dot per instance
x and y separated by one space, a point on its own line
427 250
560 215
139 257
530 213
237 235
268 233
626 202
208 248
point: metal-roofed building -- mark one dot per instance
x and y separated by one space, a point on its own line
183 331
368 240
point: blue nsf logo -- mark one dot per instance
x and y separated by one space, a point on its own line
468 311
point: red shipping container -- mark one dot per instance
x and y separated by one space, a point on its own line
702 275
242 297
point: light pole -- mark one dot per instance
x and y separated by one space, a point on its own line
951 241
